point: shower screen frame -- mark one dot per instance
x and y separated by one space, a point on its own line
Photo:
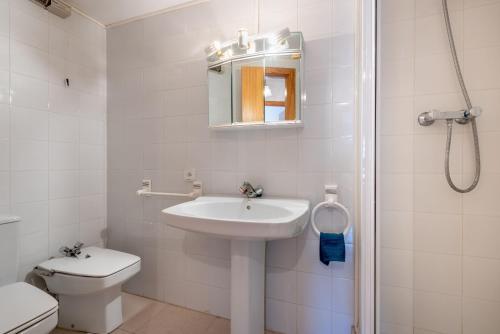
367 294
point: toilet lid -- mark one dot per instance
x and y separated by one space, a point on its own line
21 304
100 263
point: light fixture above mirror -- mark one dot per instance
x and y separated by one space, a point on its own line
245 45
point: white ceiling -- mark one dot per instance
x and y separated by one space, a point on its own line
109 12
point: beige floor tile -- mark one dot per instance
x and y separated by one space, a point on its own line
132 305
142 318
220 326
177 320
146 316
61 331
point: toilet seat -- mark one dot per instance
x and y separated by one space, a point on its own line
104 268
93 262
26 309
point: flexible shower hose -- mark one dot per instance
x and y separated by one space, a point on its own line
449 124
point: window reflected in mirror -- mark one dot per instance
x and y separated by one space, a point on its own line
267 95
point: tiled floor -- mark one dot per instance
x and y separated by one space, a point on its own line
146 316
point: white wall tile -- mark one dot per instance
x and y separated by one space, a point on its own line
33 248
5 189
314 17
63 156
315 320
441 199
343 289
396 230
29 124
397 192
281 284
35 217
5 18
63 212
29 186
30 61
63 128
30 155
431 35
396 305
397 118
481 236
397 154
29 92
480 316
438 312
438 273
63 184
30 29
91 132
314 290
5 121
92 157
482 201
479 26
397 268
393 10
438 233
4 87
281 316
481 278
398 40
481 67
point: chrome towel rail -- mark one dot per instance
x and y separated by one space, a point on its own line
146 191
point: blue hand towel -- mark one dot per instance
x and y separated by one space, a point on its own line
331 247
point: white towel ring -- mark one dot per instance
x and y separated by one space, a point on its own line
331 202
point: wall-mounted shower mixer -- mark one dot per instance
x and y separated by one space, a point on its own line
461 116
468 115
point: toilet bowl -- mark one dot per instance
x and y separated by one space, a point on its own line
25 309
88 287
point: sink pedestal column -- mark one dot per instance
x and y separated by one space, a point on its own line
247 286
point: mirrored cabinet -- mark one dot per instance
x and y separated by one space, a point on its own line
257 84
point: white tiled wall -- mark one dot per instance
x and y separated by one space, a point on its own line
52 137
158 126
440 257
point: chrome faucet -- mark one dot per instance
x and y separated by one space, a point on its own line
249 191
72 252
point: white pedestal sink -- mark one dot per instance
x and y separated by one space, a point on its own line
248 223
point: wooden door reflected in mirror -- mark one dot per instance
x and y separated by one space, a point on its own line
267 95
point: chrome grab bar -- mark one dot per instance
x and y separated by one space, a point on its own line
461 116
146 191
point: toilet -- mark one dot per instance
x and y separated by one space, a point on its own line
24 309
88 287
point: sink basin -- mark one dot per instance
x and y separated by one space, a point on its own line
241 218
248 223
